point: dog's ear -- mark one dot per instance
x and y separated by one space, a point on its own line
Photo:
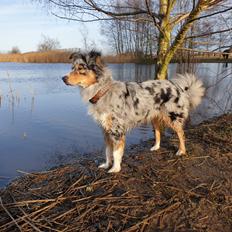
75 55
95 56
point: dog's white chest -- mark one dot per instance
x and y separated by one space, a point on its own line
104 119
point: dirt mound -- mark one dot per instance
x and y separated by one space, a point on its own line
153 192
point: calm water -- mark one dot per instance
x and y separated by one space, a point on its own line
44 122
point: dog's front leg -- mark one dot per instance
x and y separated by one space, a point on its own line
108 151
156 127
118 150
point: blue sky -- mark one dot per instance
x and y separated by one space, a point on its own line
23 23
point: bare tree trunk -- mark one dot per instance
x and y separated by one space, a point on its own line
163 40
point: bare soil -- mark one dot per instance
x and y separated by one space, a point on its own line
155 191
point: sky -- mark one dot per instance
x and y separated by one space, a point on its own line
23 23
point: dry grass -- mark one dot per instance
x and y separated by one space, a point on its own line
154 191
62 56
37 57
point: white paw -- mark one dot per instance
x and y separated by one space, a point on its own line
180 153
104 165
155 147
114 169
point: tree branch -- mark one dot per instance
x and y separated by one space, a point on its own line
210 33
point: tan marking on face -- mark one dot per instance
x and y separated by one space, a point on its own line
81 76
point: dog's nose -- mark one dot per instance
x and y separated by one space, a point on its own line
64 78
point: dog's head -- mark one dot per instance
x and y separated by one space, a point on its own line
87 68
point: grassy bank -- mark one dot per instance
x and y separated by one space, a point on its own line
62 56
155 191
37 57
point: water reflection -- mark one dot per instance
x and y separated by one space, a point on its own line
44 123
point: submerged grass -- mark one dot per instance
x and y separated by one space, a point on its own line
153 192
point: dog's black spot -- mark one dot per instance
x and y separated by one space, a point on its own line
132 93
154 85
118 106
116 134
140 85
186 88
136 102
150 90
127 93
165 96
147 113
136 113
176 100
157 99
174 115
178 92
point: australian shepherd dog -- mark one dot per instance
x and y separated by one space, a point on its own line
120 106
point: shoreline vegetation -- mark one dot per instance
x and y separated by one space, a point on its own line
153 192
62 56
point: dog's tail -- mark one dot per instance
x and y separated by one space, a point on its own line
193 86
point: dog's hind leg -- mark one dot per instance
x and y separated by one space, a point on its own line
108 151
156 127
180 133
118 150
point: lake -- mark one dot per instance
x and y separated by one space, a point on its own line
44 123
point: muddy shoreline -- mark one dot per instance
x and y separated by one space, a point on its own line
155 191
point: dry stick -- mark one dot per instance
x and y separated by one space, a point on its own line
28 222
93 183
54 204
115 198
74 184
197 157
171 207
14 221
109 227
48 227
87 211
21 203
27 173
32 225
64 214
196 187
23 217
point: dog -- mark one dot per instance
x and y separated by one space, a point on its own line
120 106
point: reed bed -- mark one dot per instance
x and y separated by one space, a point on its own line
58 56
62 56
153 192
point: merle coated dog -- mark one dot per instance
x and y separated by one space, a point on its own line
120 106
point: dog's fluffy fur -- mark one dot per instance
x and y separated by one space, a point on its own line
122 106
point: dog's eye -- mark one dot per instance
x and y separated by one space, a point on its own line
82 66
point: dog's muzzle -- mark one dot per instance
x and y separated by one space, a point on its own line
65 79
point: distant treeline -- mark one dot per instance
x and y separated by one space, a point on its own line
62 56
